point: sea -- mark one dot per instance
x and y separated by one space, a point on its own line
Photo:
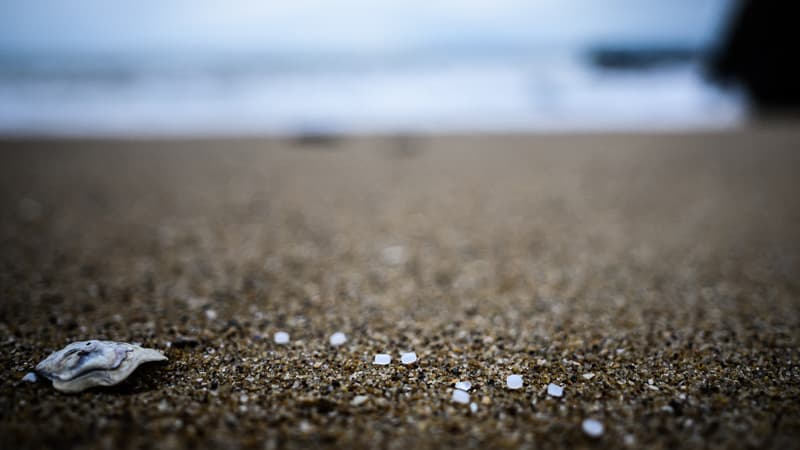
420 91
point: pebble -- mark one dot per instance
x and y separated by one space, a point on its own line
359 400
30 377
593 428
338 339
460 396
281 337
211 314
382 359
587 376
555 390
473 407
464 385
408 358
514 381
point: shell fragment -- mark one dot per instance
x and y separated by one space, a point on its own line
85 364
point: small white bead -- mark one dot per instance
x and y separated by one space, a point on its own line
394 255
281 337
460 396
338 339
514 381
464 385
555 390
382 359
408 358
592 428
30 377
359 399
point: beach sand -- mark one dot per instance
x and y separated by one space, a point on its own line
656 278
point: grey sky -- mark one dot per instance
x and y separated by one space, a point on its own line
365 25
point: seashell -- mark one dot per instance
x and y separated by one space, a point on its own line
85 364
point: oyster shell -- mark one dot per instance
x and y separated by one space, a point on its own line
85 364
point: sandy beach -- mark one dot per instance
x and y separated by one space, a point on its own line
656 278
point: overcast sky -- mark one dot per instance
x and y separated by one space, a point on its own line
362 25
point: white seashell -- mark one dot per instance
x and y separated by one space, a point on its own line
85 364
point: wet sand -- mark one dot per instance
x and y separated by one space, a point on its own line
655 277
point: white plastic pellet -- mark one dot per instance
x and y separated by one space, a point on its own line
592 428
359 399
281 337
514 381
555 390
460 396
382 359
464 385
408 358
338 339
30 377
394 255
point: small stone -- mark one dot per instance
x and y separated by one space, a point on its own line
587 376
464 385
555 390
460 396
382 359
473 407
592 428
359 400
514 381
211 314
30 377
338 339
281 337
408 358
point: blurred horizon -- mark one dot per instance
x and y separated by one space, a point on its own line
192 68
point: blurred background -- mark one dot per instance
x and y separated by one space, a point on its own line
197 67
